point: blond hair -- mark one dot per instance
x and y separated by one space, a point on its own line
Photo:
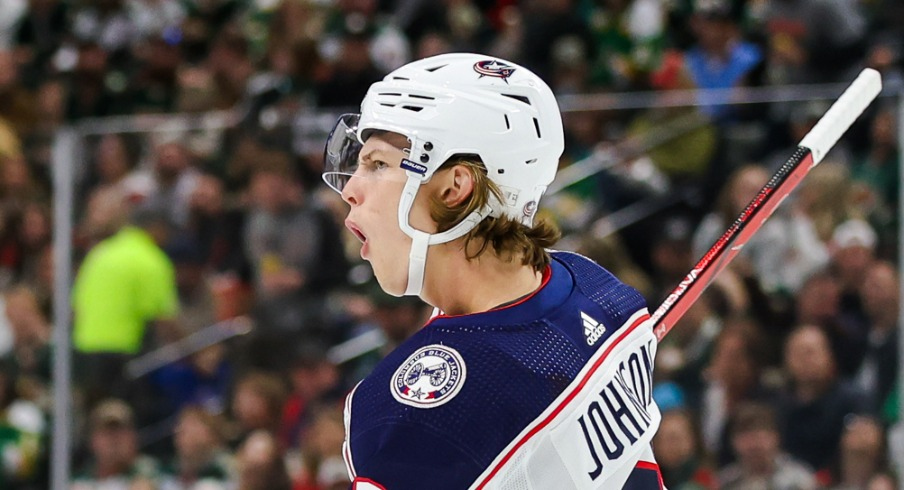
510 239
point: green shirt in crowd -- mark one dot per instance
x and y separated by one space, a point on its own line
124 282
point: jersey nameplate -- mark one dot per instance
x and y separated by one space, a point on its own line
612 421
430 377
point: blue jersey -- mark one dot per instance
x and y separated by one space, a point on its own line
552 392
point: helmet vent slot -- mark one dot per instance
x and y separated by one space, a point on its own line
531 161
508 125
537 127
391 94
425 97
433 69
519 98
400 78
413 108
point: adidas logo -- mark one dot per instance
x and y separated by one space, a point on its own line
593 329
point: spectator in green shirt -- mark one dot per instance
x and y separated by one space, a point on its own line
125 283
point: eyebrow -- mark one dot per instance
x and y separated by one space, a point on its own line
364 157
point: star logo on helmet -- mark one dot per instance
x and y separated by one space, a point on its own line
494 68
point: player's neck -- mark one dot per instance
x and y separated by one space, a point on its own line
472 286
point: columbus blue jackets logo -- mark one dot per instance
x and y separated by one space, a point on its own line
430 377
493 68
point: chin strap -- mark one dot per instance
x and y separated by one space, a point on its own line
417 263
421 241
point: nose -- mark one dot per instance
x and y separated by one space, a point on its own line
351 192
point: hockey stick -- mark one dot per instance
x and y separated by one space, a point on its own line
810 152
186 346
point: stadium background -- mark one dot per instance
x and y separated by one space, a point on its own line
202 122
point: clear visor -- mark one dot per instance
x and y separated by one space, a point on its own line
340 157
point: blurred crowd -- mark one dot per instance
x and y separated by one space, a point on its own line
782 376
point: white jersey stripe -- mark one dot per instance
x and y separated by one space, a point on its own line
346 444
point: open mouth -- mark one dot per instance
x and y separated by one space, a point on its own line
356 231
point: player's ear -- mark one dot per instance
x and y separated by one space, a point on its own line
456 185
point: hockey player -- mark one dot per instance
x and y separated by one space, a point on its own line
535 373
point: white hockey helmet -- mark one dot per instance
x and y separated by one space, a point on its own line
458 104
